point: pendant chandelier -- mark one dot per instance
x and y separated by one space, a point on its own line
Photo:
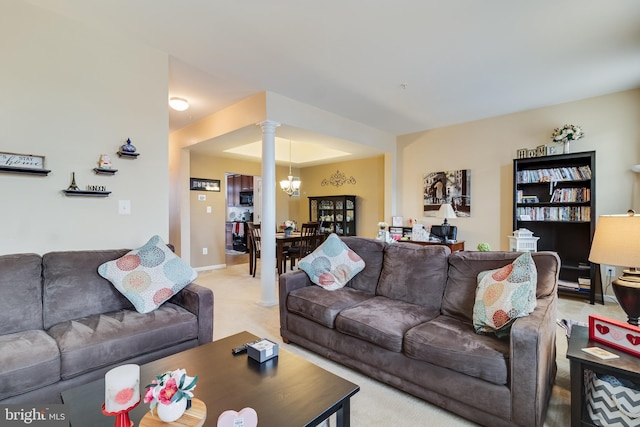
291 185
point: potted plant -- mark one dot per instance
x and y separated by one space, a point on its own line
566 134
169 393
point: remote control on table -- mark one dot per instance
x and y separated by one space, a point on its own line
242 348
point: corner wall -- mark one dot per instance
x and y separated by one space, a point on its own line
70 93
488 148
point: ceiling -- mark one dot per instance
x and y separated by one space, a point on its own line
400 67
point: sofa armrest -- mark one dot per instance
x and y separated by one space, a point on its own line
287 283
199 301
533 362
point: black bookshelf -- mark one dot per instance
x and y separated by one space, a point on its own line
554 197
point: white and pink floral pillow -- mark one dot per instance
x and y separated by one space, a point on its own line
149 275
505 294
332 264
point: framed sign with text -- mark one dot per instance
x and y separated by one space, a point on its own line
21 161
202 184
616 334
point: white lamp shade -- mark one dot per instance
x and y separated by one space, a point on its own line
446 211
616 241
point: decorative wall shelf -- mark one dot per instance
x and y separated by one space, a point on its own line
27 171
87 193
126 155
103 171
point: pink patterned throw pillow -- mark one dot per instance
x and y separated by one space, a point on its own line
332 264
149 275
505 294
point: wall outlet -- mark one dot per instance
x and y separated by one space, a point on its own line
609 271
205 251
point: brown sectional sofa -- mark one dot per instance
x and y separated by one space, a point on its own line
63 325
406 320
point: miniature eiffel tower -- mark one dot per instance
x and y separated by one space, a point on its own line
73 185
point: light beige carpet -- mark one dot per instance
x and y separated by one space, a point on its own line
236 309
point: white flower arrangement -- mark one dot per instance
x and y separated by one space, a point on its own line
288 225
567 133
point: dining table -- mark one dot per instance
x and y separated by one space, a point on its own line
281 242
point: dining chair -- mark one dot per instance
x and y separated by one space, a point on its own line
256 246
309 240
255 241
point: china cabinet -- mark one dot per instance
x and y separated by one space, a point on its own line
336 214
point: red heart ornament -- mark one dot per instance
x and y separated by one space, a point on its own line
633 339
604 330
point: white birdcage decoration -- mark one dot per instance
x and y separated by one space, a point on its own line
523 240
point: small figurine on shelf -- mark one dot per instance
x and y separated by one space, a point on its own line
128 147
73 186
105 161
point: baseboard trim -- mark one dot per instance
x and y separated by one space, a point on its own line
211 267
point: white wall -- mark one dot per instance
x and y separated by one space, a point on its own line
71 93
488 148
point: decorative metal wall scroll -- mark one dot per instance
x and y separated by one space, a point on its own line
338 179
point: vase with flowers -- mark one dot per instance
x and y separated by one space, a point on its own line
169 393
567 134
382 231
288 226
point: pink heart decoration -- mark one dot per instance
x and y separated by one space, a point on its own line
633 339
604 330
230 418
617 335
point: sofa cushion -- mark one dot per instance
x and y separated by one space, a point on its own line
453 344
372 252
504 294
322 307
332 264
415 274
30 360
464 267
149 275
382 321
100 340
21 290
73 288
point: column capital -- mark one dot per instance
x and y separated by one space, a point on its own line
268 125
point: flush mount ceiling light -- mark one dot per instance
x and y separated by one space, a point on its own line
178 104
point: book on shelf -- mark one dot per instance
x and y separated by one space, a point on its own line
572 286
574 173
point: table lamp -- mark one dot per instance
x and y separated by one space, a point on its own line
617 242
446 212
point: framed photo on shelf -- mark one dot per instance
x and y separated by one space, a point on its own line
396 221
24 161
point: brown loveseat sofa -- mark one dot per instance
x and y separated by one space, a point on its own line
406 320
63 325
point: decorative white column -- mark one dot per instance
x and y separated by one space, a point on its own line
268 226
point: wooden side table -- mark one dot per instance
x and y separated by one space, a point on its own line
627 366
454 246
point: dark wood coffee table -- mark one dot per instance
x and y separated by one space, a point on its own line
284 391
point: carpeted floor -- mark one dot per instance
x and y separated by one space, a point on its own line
236 309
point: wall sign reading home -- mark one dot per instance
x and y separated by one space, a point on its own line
452 187
24 161
202 184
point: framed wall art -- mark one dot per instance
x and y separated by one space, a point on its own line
452 187
202 184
